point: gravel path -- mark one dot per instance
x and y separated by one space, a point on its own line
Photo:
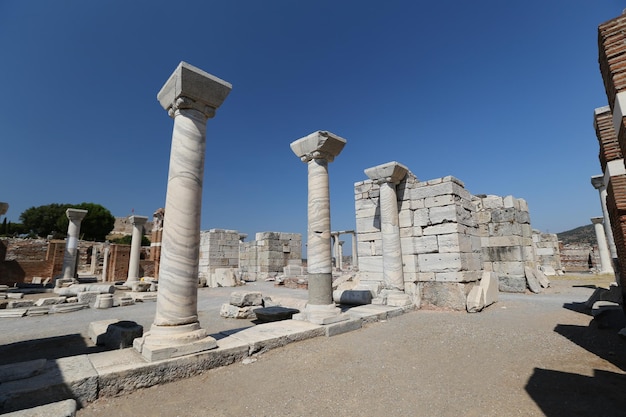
527 355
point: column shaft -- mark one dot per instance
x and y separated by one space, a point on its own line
605 258
135 248
390 230
319 258
355 255
177 302
607 223
75 217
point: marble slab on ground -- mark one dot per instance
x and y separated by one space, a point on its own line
375 312
65 408
70 377
271 335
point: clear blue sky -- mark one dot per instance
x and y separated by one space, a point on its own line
498 94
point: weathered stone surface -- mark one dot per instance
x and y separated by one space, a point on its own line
20 303
68 307
21 370
531 280
343 327
50 301
88 297
542 278
103 301
226 277
475 300
234 312
65 408
509 283
242 299
489 286
444 295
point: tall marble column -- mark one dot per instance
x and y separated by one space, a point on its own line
75 217
605 257
135 249
157 237
388 176
340 254
598 183
317 150
355 255
191 96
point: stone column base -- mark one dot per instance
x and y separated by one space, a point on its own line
165 342
321 314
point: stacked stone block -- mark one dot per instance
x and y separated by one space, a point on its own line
612 60
269 254
219 249
439 239
547 252
506 239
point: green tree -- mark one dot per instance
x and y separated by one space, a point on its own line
51 219
126 240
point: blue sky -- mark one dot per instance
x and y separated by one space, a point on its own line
498 94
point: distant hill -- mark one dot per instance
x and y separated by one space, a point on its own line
582 234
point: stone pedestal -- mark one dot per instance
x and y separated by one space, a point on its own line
388 176
605 256
135 249
317 150
190 96
75 217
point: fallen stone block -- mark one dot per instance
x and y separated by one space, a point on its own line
68 307
103 301
542 278
142 296
242 299
226 277
123 301
508 283
548 270
65 408
613 294
13 312
15 295
489 285
233 312
140 286
38 311
50 301
20 303
343 327
88 297
531 280
277 313
475 299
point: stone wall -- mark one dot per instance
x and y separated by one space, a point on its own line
547 251
506 239
268 254
219 249
579 258
441 251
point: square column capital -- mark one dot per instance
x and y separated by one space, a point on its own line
189 82
597 181
138 220
75 214
318 145
392 172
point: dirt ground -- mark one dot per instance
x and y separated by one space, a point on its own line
527 355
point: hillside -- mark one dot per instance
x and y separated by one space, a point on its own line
582 234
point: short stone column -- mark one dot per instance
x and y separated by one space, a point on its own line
75 217
388 176
340 254
355 254
598 183
317 150
105 261
135 249
605 257
190 96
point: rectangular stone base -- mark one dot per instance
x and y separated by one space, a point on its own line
159 352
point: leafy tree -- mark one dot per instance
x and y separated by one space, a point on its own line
51 220
126 240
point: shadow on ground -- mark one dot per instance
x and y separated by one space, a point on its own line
47 348
568 394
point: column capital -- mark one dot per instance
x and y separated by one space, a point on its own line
597 181
597 220
191 88
75 214
318 145
137 220
392 172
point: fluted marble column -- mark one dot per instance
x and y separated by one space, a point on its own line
317 150
190 96
388 176
605 257
75 217
598 183
135 249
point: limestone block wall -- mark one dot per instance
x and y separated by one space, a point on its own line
441 251
269 253
579 257
547 250
506 239
219 248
